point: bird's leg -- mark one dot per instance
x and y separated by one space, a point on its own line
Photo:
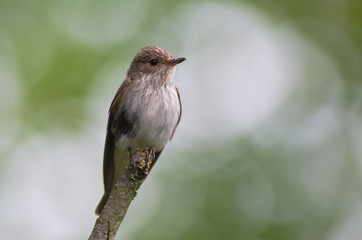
151 153
132 160
149 160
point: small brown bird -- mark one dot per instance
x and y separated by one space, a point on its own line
144 113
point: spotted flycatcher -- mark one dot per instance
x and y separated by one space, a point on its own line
144 113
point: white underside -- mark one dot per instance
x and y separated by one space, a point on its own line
158 111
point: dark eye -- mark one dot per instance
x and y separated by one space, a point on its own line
153 62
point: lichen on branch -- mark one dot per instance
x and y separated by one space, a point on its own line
123 192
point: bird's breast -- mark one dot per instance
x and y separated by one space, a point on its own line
157 112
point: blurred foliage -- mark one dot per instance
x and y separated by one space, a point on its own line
258 192
56 69
276 188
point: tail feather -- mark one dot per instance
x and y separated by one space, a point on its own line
101 204
109 186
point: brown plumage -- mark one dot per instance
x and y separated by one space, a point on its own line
144 113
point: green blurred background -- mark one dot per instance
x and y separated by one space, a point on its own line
270 144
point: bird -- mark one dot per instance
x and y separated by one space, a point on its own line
144 113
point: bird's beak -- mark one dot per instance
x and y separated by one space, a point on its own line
176 61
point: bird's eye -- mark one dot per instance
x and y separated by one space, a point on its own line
153 62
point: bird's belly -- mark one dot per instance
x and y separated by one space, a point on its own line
156 121
155 126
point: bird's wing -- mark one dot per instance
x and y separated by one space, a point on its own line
115 115
108 158
179 117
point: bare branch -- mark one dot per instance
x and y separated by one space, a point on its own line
122 194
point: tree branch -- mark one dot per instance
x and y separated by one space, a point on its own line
122 194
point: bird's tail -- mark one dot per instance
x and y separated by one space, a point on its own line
101 204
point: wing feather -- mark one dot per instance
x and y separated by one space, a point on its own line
179 117
108 157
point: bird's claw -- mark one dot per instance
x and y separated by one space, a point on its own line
151 153
132 160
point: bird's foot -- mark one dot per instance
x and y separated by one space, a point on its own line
142 160
133 161
151 153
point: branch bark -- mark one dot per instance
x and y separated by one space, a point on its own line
122 194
